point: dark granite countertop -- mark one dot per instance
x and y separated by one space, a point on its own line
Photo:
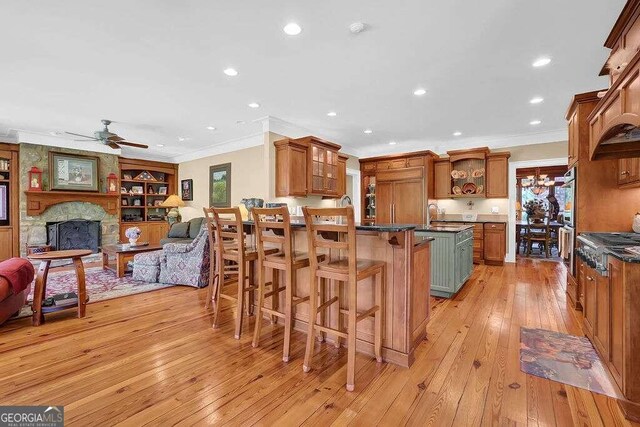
361 227
443 228
478 220
622 255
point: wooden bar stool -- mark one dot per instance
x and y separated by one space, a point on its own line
214 263
273 226
339 236
229 236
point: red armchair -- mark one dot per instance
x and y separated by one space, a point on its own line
16 276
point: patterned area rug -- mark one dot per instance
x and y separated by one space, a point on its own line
101 284
564 358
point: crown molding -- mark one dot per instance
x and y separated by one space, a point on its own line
493 142
236 144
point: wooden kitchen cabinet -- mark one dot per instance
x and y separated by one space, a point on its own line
397 202
491 182
590 308
400 186
497 171
601 328
574 140
309 166
291 168
616 320
442 178
495 243
629 172
342 175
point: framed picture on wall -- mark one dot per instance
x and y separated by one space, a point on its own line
73 172
187 189
220 186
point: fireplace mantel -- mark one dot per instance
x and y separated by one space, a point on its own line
39 201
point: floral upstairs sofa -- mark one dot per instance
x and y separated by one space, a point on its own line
177 263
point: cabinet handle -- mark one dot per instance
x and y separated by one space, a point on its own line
589 278
493 226
624 173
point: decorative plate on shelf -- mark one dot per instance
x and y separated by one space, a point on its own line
456 190
478 173
462 174
469 188
454 174
479 189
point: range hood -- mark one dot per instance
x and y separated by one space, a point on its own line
619 141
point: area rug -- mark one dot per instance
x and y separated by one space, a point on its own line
101 284
564 358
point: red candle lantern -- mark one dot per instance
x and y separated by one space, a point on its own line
35 179
112 183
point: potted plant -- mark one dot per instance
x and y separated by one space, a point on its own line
133 234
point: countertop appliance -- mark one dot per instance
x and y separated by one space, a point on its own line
595 248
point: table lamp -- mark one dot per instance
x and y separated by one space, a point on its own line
174 202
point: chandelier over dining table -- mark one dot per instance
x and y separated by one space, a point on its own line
538 183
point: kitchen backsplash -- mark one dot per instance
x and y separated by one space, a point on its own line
479 206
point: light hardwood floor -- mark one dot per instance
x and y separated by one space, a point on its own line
153 359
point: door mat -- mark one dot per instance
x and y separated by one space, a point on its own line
564 358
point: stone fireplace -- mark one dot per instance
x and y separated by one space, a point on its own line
33 228
74 234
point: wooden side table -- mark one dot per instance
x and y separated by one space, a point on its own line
41 281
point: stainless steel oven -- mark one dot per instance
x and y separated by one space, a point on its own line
569 186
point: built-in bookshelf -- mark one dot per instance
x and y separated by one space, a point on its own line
144 185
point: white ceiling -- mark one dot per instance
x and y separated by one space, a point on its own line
156 68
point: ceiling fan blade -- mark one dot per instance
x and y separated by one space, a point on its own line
133 144
115 138
84 136
113 145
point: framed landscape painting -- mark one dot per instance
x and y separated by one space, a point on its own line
73 172
220 186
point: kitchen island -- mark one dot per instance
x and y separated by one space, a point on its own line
406 294
451 257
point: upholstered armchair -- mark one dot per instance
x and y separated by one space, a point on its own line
186 263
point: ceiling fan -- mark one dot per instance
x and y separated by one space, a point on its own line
106 137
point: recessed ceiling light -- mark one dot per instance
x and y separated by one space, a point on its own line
535 122
457 133
182 138
541 62
392 143
536 100
419 92
254 105
292 29
211 127
231 72
332 114
368 131
160 145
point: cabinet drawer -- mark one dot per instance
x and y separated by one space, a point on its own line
415 161
368 167
495 226
464 235
392 164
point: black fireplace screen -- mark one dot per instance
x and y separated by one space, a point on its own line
74 234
